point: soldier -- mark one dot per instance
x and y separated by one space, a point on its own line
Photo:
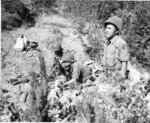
116 54
79 73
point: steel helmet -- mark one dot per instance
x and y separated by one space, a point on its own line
57 47
68 58
116 21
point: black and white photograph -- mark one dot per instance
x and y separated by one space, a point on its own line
75 61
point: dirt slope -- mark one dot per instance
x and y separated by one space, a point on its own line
46 32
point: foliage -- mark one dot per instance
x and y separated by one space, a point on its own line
62 107
140 34
43 6
36 104
9 109
96 42
19 12
120 105
38 95
40 104
117 104
15 13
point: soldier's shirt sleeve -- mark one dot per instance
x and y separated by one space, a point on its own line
76 71
123 52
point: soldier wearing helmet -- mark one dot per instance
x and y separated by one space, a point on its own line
79 73
116 52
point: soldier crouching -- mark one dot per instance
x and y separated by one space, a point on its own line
78 74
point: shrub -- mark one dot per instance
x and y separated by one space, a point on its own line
18 12
15 13
114 103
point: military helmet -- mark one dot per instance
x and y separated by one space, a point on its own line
116 21
68 58
57 47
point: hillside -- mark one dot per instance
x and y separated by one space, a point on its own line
111 101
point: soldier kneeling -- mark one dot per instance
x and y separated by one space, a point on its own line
77 72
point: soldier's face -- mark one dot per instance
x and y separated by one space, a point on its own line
110 31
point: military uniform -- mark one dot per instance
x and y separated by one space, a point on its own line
115 53
81 73
78 72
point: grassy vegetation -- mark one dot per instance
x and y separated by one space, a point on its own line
21 12
121 105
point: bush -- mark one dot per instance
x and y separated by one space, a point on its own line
114 102
18 12
15 13
140 34
43 6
